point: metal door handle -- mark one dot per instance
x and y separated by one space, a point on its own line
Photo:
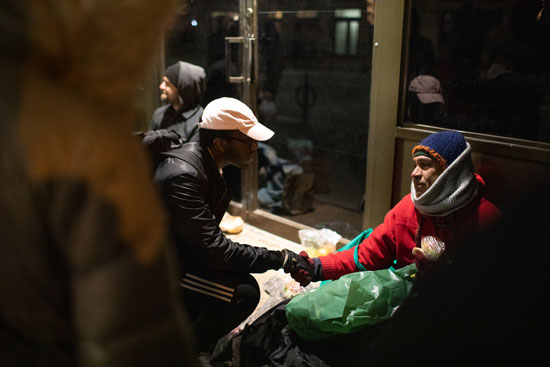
228 42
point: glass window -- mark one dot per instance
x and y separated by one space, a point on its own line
314 63
314 98
480 66
353 37
197 35
341 38
346 31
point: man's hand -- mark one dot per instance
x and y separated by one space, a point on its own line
293 262
426 266
305 274
422 262
306 269
430 251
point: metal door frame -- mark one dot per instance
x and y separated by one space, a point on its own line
248 29
384 107
247 78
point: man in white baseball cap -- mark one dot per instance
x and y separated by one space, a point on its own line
231 114
427 89
426 104
217 287
230 132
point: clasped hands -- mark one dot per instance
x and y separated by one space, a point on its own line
305 270
301 267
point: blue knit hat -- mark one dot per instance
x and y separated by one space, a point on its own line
444 147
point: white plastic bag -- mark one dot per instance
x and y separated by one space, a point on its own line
319 242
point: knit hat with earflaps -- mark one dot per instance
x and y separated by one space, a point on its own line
444 147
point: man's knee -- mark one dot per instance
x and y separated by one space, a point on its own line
247 295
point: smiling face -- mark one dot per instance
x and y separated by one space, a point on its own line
168 91
426 170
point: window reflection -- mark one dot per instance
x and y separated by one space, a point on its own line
346 31
197 35
313 90
491 60
314 79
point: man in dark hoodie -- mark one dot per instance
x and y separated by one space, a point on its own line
182 88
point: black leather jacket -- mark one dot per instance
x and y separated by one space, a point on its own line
196 199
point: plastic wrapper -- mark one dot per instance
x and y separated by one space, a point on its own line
350 303
277 288
318 242
432 247
282 286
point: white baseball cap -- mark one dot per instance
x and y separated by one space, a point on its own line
231 114
427 88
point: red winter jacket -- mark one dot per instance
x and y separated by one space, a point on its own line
396 237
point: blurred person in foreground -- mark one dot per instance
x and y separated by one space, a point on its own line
182 88
446 204
216 283
84 271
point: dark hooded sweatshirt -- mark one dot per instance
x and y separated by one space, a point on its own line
190 84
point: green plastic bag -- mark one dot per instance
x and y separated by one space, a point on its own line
350 303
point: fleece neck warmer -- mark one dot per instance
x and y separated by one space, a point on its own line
452 190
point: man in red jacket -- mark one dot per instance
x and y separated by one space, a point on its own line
446 203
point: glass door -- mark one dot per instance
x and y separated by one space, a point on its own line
216 35
313 87
304 67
